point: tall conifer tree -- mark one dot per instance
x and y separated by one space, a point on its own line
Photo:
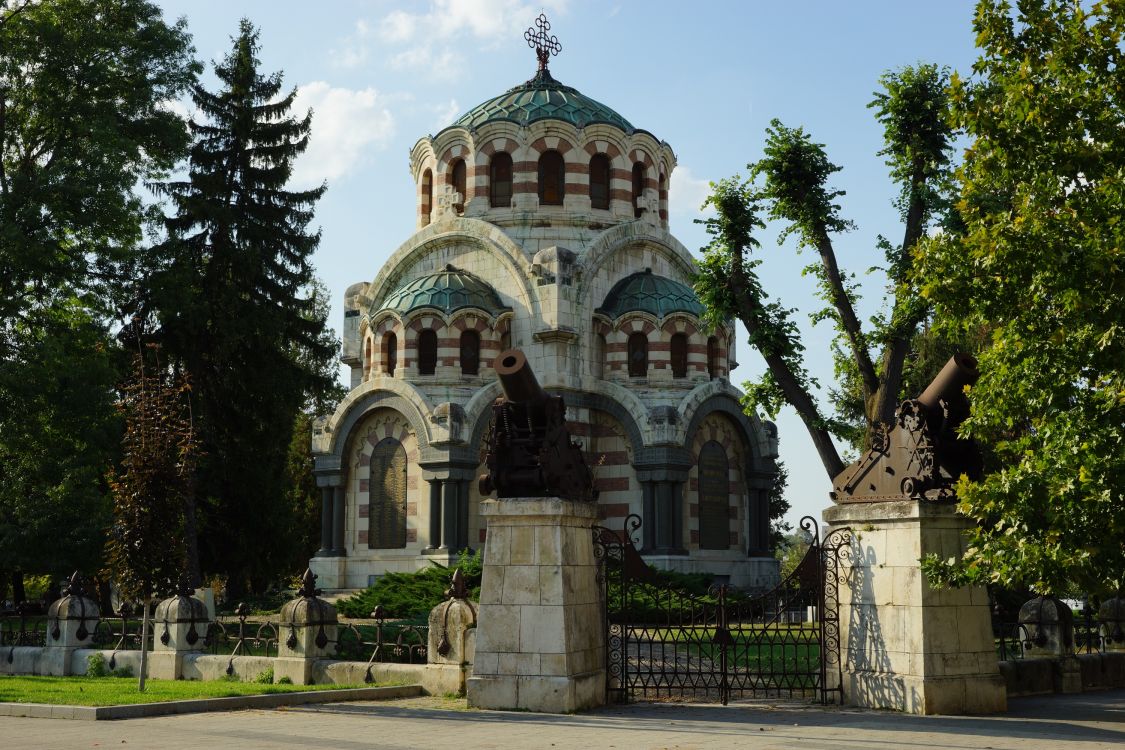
236 308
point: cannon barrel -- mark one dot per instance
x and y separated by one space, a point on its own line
516 377
959 371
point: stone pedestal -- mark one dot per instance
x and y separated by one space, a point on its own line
306 632
71 621
330 572
179 627
907 646
540 645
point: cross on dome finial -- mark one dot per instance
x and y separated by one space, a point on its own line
544 45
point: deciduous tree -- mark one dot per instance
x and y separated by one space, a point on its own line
1040 266
791 184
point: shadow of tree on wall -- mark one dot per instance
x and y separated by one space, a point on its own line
866 657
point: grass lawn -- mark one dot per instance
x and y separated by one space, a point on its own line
115 691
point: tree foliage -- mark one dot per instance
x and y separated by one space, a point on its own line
237 308
146 551
59 434
1040 267
791 183
82 123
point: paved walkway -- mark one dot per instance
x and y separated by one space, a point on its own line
1094 720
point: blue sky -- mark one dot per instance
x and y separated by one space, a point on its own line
707 77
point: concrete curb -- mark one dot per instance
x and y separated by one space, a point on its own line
143 710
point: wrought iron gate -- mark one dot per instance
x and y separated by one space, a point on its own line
666 642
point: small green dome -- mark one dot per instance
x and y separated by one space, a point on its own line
646 292
447 290
543 98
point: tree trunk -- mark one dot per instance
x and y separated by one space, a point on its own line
191 537
18 593
806 410
144 646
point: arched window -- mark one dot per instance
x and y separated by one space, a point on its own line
386 509
457 180
599 181
367 360
500 181
427 351
714 497
470 353
679 355
390 354
638 355
638 188
552 179
505 341
427 195
713 357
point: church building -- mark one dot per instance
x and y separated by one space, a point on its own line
542 224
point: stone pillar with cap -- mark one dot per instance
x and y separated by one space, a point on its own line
1111 623
307 632
179 628
452 638
540 642
71 621
1047 628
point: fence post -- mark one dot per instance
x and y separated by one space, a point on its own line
180 625
71 621
452 638
306 631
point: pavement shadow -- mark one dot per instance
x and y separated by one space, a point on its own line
1061 718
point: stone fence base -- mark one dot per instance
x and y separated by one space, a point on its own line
1072 674
435 679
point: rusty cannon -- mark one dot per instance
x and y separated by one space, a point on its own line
920 456
528 449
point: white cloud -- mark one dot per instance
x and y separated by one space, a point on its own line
687 192
347 124
444 66
445 114
483 19
353 50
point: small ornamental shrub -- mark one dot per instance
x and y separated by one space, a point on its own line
412 595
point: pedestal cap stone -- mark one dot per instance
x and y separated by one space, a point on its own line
71 619
1048 624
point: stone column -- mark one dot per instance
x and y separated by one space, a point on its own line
676 508
540 641
463 489
435 516
449 515
325 522
329 563
648 520
905 645
338 508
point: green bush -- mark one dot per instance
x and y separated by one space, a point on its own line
285 681
412 595
265 677
96 665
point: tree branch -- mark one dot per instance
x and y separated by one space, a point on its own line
848 320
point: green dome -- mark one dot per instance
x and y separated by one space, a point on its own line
447 290
655 295
542 98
